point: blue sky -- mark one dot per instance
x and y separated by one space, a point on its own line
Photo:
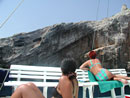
37 14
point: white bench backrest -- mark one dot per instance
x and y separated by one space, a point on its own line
82 75
51 74
34 73
119 71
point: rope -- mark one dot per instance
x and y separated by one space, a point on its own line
8 70
106 43
107 29
108 9
11 14
96 20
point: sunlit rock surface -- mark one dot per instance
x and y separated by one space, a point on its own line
49 45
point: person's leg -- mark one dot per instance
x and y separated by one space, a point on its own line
17 93
36 89
27 91
121 76
124 81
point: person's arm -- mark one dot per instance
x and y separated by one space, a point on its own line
100 49
97 50
84 66
66 88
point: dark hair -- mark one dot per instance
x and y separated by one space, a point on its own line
92 54
68 67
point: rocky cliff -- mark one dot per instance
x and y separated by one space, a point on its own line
48 46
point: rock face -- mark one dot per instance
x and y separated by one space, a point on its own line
48 46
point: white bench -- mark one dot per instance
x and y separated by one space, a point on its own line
83 76
49 76
41 76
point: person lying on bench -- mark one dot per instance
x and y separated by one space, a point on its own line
67 87
101 74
